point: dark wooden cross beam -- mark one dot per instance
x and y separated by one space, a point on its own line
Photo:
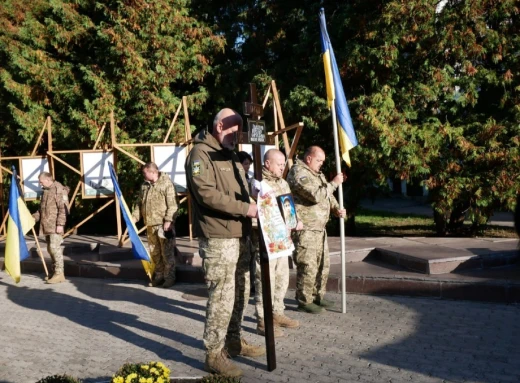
256 111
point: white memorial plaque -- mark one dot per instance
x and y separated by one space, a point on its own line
97 182
31 168
170 159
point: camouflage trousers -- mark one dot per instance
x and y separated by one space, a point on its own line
226 270
279 280
162 252
55 250
312 264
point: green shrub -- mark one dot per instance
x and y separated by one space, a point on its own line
153 372
59 379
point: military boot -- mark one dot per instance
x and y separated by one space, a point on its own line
168 282
51 273
284 321
241 347
56 278
325 303
156 282
311 308
219 363
260 330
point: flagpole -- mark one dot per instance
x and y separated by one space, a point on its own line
341 219
40 251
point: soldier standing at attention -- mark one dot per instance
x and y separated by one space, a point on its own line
314 201
272 173
52 216
221 216
158 207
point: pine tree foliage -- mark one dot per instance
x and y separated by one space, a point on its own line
78 60
434 93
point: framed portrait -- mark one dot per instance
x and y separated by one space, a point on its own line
30 169
170 159
288 210
97 182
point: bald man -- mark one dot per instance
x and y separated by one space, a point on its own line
314 201
221 216
272 173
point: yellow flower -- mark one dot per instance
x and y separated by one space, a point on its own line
149 380
142 380
118 379
160 380
154 371
145 367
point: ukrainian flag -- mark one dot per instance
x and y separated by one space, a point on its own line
347 136
19 223
138 248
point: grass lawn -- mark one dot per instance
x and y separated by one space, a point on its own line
372 223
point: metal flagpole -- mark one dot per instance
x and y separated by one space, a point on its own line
341 219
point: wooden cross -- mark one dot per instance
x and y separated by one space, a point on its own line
256 111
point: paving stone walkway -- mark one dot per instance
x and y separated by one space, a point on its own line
90 327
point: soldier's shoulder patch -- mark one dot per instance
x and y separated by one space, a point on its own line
304 180
196 168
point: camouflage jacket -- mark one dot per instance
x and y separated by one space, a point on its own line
313 196
218 189
279 185
53 208
157 202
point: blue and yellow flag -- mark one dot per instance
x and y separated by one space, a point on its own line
19 223
138 248
346 134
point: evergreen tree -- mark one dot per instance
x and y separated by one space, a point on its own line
433 90
78 60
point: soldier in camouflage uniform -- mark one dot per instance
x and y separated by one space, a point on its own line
221 216
272 172
158 207
314 200
52 216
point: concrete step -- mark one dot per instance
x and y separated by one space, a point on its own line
450 254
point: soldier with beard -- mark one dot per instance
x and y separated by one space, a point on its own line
221 216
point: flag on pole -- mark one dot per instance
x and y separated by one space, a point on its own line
346 133
19 223
138 249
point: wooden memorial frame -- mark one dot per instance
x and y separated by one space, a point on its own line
20 159
273 138
187 143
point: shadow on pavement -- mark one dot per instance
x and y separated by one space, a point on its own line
141 297
98 317
454 343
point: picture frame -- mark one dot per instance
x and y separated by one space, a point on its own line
288 210
30 169
97 182
170 159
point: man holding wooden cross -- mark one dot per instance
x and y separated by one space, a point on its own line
221 216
